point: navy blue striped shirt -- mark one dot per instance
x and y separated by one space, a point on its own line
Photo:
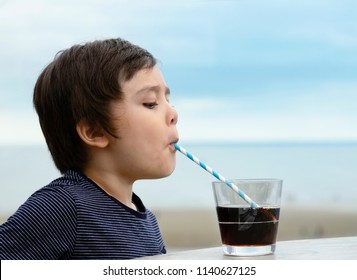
73 218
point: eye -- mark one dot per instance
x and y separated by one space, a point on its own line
150 105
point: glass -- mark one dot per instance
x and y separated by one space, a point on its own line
247 231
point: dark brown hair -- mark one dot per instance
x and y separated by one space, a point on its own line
79 85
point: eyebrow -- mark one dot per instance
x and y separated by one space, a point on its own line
154 89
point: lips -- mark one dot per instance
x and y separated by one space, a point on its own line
171 145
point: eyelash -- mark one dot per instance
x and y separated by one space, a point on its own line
150 105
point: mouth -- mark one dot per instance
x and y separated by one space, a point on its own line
171 145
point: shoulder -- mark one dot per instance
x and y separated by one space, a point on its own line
44 227
55 196
54 203
49 206
65 189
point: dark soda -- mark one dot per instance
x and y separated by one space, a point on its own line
246 226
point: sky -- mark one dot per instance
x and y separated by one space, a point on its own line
243 70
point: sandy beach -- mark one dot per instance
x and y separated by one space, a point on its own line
185 229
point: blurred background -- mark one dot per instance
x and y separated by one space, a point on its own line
262 88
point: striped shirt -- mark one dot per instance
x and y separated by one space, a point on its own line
73 218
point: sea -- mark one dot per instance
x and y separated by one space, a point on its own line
313 174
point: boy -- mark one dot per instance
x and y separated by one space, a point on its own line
104 110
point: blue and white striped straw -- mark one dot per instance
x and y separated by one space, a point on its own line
217 175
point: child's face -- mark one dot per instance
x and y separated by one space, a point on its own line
146 126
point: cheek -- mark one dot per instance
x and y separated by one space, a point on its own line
149 133
142 129
143 137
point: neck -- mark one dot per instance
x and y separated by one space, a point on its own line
113 185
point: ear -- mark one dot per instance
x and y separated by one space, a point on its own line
92 135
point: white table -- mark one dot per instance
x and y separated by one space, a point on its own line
341 248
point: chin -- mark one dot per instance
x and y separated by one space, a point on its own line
164 173
170 172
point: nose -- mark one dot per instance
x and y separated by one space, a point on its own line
172 116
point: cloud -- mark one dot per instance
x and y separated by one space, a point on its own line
268 128
20 127
248 69
322 113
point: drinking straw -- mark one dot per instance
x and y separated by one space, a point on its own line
217 175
